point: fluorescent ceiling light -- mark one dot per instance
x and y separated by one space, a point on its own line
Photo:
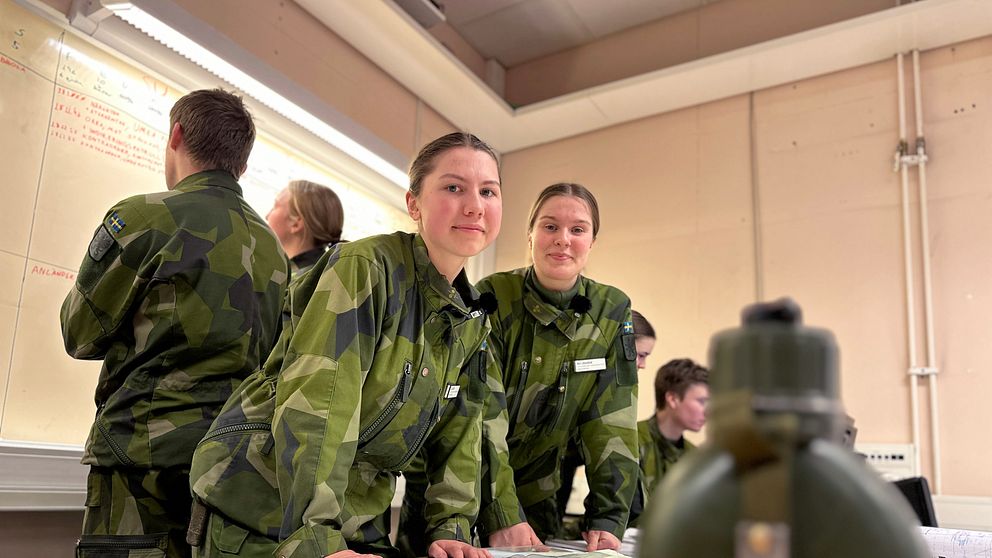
163 33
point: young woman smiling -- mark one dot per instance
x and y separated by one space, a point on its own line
384 344
565 351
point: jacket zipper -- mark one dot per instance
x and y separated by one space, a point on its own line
517 397
562 387
415 447
119 541
242 427
401 395
114 447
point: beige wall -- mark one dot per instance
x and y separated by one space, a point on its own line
676 196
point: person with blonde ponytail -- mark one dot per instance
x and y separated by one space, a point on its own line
307 218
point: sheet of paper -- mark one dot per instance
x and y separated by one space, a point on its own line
957 543
558 550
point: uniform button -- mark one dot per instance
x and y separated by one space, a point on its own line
561 389
577 315
424 372
537 360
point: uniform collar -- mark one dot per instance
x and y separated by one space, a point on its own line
304 260
460 294
220 178
549 307
667 447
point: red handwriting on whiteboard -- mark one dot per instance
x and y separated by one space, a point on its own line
48 271
10 63
102 129
70 93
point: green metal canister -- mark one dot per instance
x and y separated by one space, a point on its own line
772 481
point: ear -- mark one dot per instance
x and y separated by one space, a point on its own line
412 207
176 136
296 224
671 398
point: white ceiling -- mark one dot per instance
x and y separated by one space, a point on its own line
515 31
394 41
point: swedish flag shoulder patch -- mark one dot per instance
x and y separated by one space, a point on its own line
115 223
628 328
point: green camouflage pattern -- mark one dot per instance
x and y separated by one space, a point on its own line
381 357
302 262
133 513
538 342
226 539
657 455
179 294
412 539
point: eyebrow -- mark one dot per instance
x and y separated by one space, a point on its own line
552 218
462 178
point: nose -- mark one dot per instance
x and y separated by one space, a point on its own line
473 204
562 239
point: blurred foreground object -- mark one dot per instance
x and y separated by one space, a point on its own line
773 480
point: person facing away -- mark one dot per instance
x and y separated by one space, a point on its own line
566 358
384 354
644 341
179 293
681 393
307 218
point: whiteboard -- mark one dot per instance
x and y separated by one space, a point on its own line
81 129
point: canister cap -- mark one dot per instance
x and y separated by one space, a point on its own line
773 354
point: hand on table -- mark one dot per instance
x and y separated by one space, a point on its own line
521 534
600 540
455 549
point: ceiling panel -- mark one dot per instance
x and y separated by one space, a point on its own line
460 12
602 18
525 30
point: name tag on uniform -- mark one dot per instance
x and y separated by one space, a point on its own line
451 391
590 364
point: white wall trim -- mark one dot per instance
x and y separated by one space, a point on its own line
36 476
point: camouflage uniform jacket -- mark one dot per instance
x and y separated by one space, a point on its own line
179 294
302 262
565 371
657 453
378 347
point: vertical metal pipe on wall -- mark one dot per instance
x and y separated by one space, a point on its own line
903 160
927 275
914 396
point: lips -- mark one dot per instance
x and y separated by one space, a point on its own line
469 228
559 257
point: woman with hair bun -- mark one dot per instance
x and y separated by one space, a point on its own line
307 218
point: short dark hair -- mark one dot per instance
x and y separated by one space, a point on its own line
319 207
566 189
217 129
424 163
677 376
642 327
